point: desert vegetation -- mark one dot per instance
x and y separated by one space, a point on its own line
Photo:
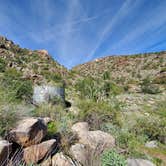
120 98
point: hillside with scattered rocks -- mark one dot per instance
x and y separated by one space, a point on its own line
107 112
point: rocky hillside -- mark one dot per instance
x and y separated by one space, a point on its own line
127 69
112 111
35 65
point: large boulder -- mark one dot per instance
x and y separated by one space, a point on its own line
60 159
5 150
80 153
94 139
139 162
29 131
35 153
47 162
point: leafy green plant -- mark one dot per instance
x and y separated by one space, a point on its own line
112 158
97 113
2 65
153 128
8 118
52 128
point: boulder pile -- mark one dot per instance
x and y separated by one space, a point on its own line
28 144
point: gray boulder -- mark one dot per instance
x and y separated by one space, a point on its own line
139 162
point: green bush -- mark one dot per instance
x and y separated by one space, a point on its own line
147 86
106 75
52 128
18 87
110 88
96 114
153 128
87 88
112 158
2 65
8 118
150 89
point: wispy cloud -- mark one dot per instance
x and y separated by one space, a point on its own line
76 31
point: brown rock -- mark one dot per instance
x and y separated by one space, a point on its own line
80 153
5 150
47 162
29 131
98 140
35 153
60 159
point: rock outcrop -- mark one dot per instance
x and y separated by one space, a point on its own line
5 150
139 162
29 131
98 140
35 153
60 159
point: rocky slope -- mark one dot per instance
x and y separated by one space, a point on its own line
115 113
35 65
127 69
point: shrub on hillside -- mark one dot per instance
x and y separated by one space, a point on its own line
148 87
96 114
8 118
2 65
88 88
18 87
112 158
153 128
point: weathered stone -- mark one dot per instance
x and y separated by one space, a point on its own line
35 153
151 144
5 150
139 162
80 153
60 159
29 131
80 127
47 162
46 120
98 140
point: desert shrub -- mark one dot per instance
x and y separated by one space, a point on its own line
2 65
148 87
52 128
24 90
153 128
160 80
18 87
111 88
48 110
161 109
50 76
87 88
112 158
97 113
106 75
8 117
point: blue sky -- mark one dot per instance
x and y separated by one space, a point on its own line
77 31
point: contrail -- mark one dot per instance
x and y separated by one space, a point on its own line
122 12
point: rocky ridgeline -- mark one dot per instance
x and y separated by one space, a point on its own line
36 65
27 144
